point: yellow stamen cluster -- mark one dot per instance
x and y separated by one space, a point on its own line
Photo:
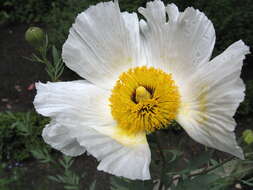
144 99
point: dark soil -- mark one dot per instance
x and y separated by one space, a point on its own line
17 73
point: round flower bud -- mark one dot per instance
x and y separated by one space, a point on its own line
35 36
248 136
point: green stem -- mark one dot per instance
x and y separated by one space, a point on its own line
214 167
43 53
205 171
160 150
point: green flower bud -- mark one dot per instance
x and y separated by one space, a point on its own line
35 36
247 136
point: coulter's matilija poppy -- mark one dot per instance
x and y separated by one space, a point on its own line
141 75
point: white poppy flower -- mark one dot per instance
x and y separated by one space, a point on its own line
141 75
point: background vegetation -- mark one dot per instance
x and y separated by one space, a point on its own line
232 19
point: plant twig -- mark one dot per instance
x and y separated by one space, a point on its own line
159 145
205 171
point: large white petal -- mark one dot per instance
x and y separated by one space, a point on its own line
81 115
210 98
60 138
180 44
103 42
72 100
120 154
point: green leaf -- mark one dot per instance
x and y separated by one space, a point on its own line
42 155
66 162
199 161
174 154
125 184
36 58
55 55
53 178
46 43
247 182
71 187
202 182
93 185
117 184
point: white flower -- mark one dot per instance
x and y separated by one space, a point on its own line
141 75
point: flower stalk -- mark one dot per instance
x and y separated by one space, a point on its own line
162 156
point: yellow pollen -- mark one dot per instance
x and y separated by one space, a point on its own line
141 94
144 100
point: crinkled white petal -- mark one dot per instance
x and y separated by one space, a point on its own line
60 138
210 97
71 100
179 45
82 119
120 155
103 43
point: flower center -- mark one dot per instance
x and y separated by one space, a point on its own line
141 94
144 99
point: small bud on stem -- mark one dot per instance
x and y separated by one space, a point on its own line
248 136
35 36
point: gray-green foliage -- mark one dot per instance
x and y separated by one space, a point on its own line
19 133
69 179
54 67
248 182
14 177
65 176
